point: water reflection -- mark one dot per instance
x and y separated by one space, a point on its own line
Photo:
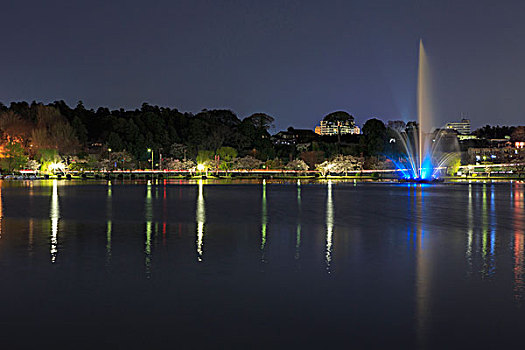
264 221
149 219
201 219
470 230
329 226
488 240
298 230
31 236
54 214
109 211
1 208
164 214
518 270
422 268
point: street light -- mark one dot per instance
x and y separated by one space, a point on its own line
109 158
151 151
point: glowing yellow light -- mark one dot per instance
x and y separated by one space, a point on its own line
201 167
329 227
54 215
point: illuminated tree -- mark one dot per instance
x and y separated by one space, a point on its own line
226 156
246 163
340 164
298 165
14 127
14 157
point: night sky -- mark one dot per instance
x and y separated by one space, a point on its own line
295 60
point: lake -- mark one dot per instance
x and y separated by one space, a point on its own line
182 264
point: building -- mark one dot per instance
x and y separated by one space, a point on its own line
495 155
462 127
293 136
334 128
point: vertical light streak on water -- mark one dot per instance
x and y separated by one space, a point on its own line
31 236
518 246
1 208
149 220
492 266
109 215
470 229
164 214
31 222
298 231
264 222
329 226
54 215
422 272
484 233
201 219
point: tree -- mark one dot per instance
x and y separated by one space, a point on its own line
14 127
260 121
374 132
80 129
312 157
206 158
340 164
32 165
178 150
226 156
246 163
339 118
518 134
298 165
396 125
14 157
176 164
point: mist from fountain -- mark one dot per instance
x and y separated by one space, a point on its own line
423 156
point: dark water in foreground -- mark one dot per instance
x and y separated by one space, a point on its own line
183 265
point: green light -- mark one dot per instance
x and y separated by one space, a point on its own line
108 241
264 219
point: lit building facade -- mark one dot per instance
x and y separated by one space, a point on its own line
331 128
462 127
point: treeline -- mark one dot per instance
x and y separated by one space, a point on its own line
37 136
128 138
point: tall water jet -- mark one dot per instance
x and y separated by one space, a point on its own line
422 156
424 117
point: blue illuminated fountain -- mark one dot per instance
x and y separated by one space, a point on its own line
422 159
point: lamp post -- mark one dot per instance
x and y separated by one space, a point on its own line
109 159
151 151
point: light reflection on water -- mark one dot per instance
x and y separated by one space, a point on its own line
465 244
201 219
264 222
329 226
148 213
517 200
54 214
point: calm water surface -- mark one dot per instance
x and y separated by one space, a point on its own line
200 265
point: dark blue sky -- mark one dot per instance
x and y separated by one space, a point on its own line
295 60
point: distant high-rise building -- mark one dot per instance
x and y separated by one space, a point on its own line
462 127
334 128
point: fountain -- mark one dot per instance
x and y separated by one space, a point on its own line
422 156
